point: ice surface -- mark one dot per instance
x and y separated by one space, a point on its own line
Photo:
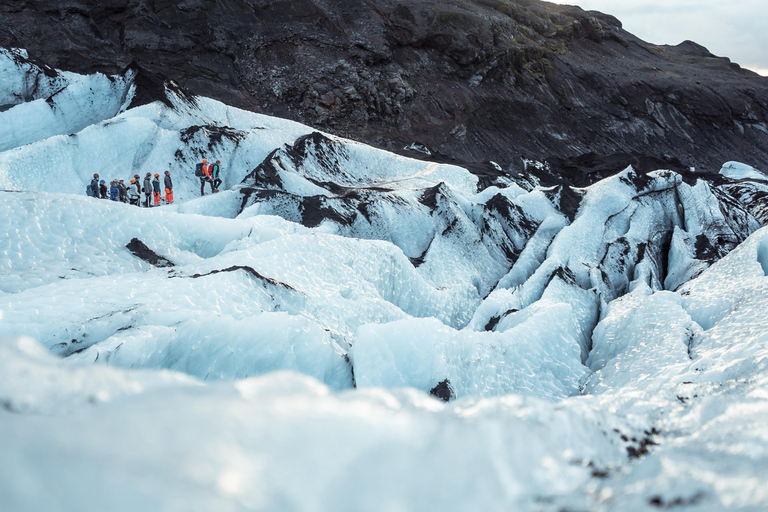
539 357
152 138
282 442
610 356
739 171
696 361
22 80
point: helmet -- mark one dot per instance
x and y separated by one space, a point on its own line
157 175
218 161
102 181
121 181
133 180
205 160
95 175
149 174
167 172
136 176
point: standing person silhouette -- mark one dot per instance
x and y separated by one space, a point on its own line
215 170
156 189
204 177
168 188
147 188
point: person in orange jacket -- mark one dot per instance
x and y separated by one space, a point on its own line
156 189
168 188
205 177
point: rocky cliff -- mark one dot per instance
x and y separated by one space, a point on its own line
471 80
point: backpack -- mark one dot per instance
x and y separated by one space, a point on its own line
199 170
89 190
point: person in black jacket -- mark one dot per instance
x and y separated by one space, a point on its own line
123 191
147 189
168 188
95 186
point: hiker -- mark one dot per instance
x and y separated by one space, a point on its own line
214 171
156 189
114 192
134 192
147 188
123 191
168 188
103 189
93 188
202 173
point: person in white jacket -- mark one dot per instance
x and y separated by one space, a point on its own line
134 192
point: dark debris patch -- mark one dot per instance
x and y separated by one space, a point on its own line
659 502
429 196
642 448
215 134
563 273
512 214
705 251
494 321
637 180
418 260
566 199
141 251
266 174
249 270
443 391
315 209
249 193
351 369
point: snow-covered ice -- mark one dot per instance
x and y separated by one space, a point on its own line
342 328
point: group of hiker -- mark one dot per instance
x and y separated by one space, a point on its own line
208 174
118 191
150 186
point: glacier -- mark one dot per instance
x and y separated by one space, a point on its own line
343 328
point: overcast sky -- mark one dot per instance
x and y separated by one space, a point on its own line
737 29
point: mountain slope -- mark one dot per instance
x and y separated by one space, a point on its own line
474 80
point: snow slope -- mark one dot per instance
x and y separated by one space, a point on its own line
37 103
274 346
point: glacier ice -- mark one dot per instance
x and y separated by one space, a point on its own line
601 348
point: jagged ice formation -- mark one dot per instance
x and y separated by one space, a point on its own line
599 344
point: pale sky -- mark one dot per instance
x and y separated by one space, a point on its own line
737 29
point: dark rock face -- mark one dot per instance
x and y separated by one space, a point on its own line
141 251
474 80
443 391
